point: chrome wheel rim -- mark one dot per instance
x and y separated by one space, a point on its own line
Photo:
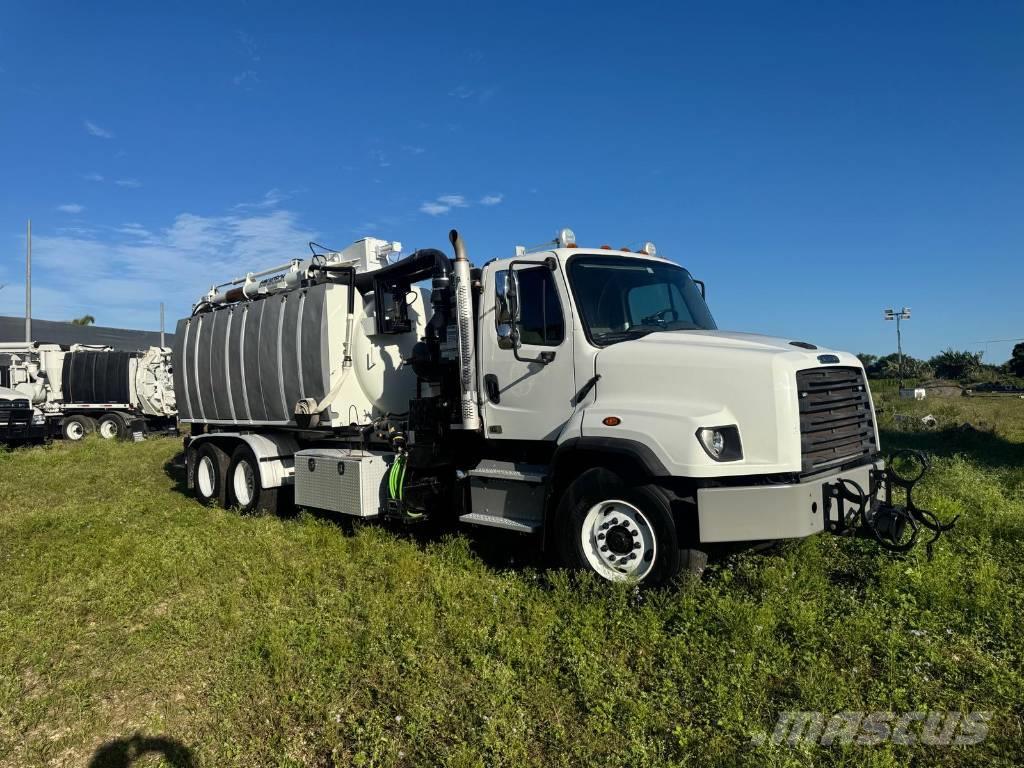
619 541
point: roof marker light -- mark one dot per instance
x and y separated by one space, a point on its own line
649 249
566 238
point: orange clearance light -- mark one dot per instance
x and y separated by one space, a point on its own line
611 421
606 247
625 249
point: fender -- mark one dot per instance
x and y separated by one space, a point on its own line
275 454
614 446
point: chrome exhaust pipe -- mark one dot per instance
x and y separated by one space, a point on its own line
467 342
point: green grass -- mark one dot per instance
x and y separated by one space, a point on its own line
129 610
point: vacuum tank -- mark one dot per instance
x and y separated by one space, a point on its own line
298 346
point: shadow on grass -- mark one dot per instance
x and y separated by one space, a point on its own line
123 753
498 549
175 470
986 448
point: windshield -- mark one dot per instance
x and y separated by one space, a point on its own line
621 298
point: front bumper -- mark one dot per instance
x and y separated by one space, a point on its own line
16 432
767 512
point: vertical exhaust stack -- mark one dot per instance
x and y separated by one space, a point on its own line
464 324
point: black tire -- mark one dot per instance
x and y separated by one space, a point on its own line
245 491
208 466
605 505
112 426
76 427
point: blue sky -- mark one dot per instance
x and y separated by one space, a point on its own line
814 162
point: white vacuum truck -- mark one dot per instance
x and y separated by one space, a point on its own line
83 389
581 395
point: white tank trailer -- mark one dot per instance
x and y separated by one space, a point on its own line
580 396
83 389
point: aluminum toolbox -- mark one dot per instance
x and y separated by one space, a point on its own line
341 480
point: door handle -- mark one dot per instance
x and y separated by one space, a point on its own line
491 387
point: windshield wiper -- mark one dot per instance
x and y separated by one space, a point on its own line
635 332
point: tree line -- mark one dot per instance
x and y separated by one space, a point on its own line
955 364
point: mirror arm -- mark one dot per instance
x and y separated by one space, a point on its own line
543 358
703 291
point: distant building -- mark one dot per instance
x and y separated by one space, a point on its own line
53 332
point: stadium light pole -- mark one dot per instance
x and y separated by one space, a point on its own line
903 314
28 282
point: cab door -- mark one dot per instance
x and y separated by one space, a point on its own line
526 390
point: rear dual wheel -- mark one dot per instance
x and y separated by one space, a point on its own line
209 465
75 428
245 489
113 426
232 481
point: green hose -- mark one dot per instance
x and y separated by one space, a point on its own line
396 477
401 478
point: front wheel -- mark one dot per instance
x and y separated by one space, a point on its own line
619 531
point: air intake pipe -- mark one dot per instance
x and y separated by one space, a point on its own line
464 324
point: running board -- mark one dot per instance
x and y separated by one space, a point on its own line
517 524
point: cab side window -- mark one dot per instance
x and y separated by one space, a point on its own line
541 320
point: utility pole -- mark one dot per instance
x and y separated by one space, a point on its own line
903 314
162 344
28 283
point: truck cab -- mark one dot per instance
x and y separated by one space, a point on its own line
19 421
612 361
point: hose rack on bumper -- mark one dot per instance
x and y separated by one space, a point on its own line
896 527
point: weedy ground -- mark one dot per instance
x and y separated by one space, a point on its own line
135 621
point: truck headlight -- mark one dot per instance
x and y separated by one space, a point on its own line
721 443
38 418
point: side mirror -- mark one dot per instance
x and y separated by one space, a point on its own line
703 290
506 301
501 314
512 296
508 336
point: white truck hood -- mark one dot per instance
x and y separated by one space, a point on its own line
667 385
732 340
12 394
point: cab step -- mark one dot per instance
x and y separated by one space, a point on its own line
517 524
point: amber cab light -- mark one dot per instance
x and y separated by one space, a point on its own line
611 421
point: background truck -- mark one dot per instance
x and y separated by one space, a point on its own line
583 396
19 421
83 389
